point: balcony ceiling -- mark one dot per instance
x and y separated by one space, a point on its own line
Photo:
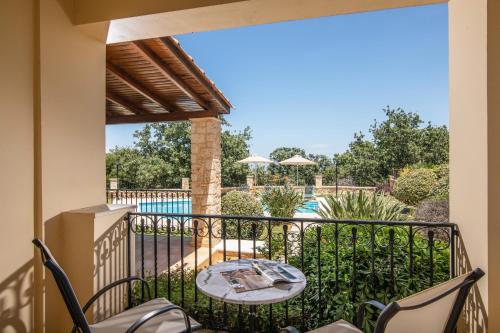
155 80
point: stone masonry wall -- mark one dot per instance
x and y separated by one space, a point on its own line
206 168
206 165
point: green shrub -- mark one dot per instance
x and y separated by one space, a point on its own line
432 210
341 290
357 281
415 185
241 204
362 205
282 201
442 188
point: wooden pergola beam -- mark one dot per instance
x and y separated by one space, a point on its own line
132 83
169 74
189 65
124 104
159 117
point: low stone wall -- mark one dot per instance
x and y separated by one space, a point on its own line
318 190
332 189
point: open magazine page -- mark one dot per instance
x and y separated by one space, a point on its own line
260 275
246 279
275 272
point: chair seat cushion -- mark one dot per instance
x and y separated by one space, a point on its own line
340 326
170 322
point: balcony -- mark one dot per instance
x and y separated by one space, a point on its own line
345 262
54 149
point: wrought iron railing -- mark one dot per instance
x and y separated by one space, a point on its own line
174 201
345 262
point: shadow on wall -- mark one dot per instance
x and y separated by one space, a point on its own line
474 317
110 264
17 300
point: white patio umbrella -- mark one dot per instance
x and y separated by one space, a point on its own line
255 160
297 160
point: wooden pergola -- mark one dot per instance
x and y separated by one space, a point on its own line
155 80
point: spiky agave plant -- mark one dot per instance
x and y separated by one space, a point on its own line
282 201
362 205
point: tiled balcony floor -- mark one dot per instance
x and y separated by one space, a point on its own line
175 252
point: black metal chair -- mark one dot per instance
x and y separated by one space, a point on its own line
434 310
142 318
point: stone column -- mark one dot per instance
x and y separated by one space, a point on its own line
206 170
113 183
250 181
185 184
318 180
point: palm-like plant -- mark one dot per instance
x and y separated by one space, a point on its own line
282 201
362 205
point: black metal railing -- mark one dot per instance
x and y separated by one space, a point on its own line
173 201
345 262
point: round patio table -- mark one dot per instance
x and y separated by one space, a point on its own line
210 282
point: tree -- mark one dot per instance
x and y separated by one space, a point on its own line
161 156
123 163
169 142
360 162
234 148
397 139
285 172
324 165
434 145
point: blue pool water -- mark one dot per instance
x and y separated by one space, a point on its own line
184 207
170 207
309 207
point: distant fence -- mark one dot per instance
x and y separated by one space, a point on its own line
153 200
321 190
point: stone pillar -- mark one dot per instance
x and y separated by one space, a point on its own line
113 183
318 180
250 181
185 184
392 182
206 170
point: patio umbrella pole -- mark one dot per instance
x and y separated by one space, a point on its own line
297 160
255 160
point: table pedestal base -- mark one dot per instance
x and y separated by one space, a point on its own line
252 316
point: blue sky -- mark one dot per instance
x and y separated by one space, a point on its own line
313 83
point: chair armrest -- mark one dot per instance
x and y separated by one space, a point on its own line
360 316
111 286
289 329
144 319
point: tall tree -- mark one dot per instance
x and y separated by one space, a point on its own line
434 145
234 148
161 156
360 163
397 139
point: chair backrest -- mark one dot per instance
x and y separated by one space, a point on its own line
434 310
64 286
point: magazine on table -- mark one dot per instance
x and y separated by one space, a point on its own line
261 275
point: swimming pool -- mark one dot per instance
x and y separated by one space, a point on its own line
170 207
309 207
185 207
